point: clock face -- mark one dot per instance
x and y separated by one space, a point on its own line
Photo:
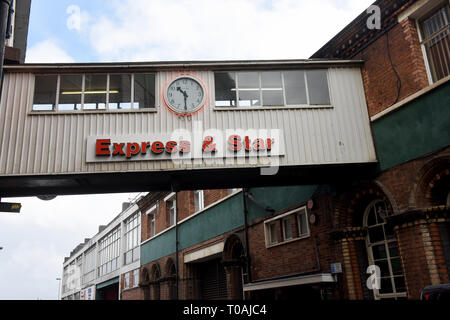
185 94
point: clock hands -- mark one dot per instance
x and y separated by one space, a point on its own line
185 97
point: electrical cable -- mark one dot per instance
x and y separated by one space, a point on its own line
399 80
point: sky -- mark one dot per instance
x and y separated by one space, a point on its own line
36 241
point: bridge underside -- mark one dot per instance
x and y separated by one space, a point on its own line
70 184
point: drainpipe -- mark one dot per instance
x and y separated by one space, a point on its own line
176 245
249 272
5 23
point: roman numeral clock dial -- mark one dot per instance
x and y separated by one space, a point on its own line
185 94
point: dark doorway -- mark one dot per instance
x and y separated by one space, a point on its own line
108 293
213 281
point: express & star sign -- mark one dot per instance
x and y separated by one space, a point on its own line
163 147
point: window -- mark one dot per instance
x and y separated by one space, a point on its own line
435 33
132 238
70 92
126 280
273 232
119 91
45 92
109 252
89 265
135 278
151 218
287 227
95 91
144 91
271 88
74 92
382 250
172 211
198 200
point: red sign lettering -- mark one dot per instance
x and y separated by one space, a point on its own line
102 147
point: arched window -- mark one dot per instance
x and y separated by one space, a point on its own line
155 277
382 251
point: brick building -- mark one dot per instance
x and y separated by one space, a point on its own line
322 241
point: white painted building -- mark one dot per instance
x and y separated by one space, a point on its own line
94 268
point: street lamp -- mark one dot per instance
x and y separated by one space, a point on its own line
59 287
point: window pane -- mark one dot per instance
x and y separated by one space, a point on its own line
225 89
371 219
294 84
44 92
384 267
396 266
144 91
136 253
70 92
389 231
379 252
271 79
393 249
386 285
287 228
248 80
376 234
272 97
273 235
318 87
249 98
119 91
303 224
128 257
95 91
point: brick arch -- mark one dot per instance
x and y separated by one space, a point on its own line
233 245
350 205
169 268
155 272
155 278
144 282
427 182
144 276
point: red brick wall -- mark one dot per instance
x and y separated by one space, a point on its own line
132 294
414 261
185 205
380 79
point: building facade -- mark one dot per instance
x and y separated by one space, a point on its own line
384 235
359 206
106 266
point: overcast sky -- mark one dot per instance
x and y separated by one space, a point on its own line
36 241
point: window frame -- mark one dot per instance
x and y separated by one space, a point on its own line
423 41
109 251
132 226
308 105
278 221
201 200
82 109
385 242
151 213
171 203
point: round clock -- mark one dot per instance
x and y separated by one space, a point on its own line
185 94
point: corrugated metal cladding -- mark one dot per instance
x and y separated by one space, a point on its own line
56 143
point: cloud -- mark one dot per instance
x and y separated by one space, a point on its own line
37 240
77 20
47 51
202 29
